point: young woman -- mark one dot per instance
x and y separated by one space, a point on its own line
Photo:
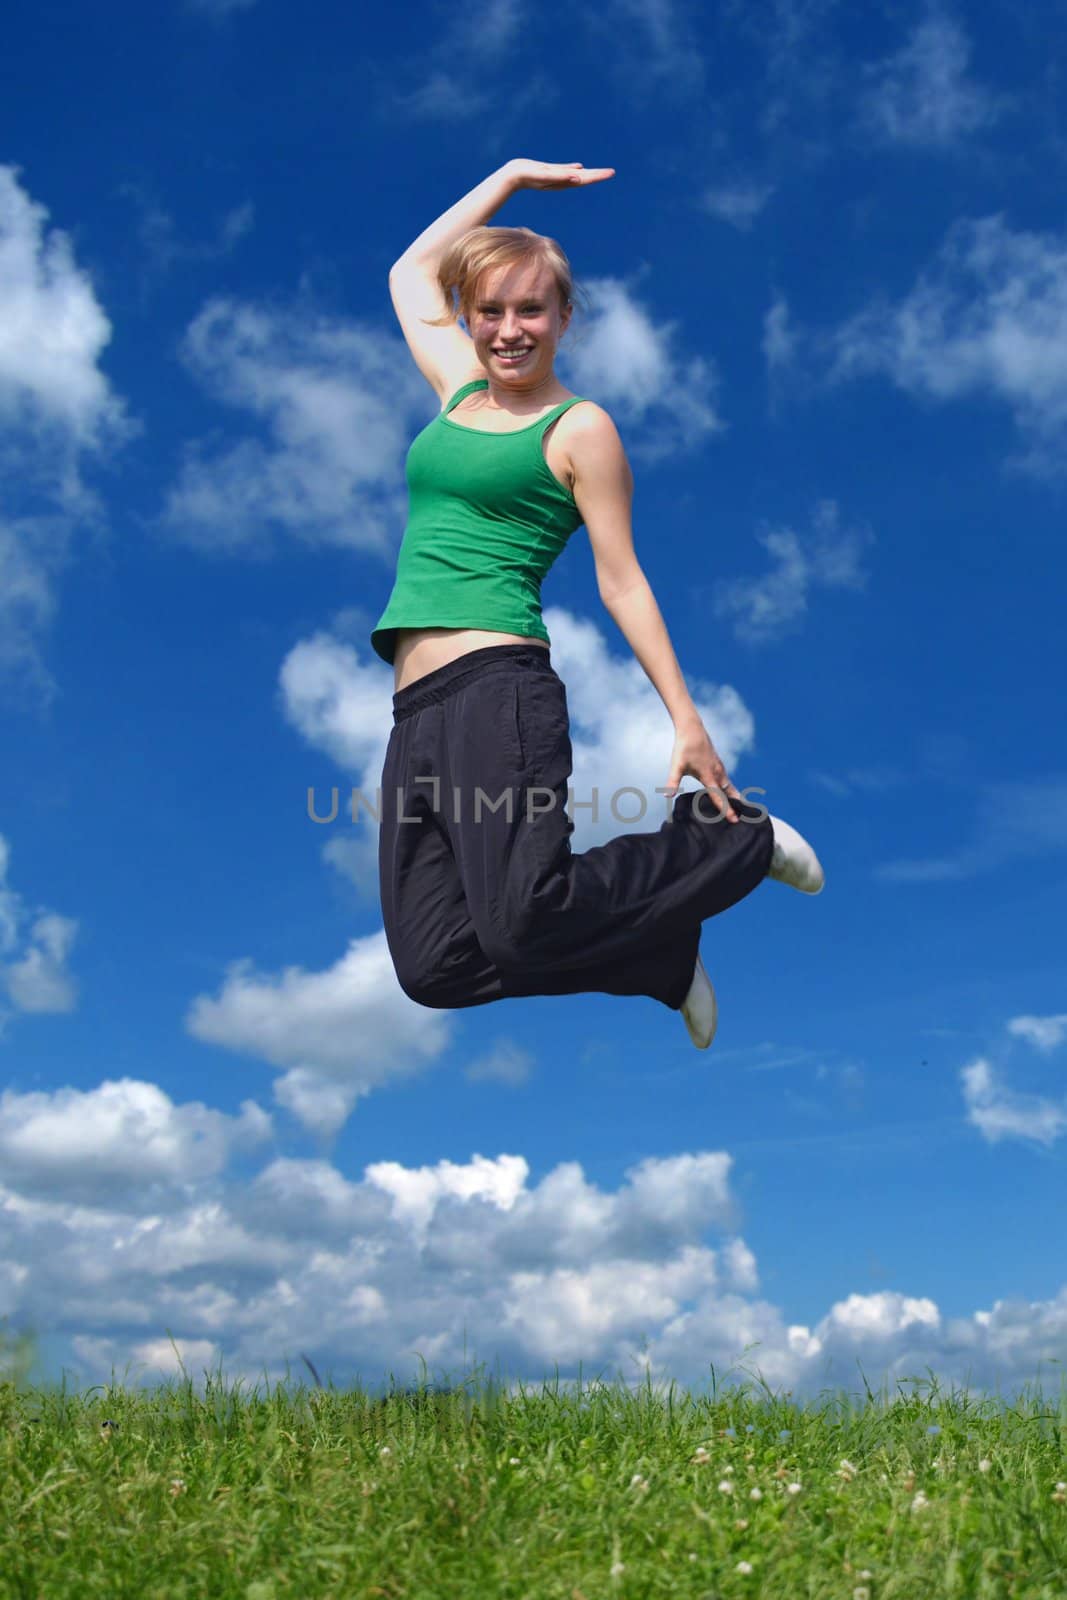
482 896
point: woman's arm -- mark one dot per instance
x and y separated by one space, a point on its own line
483 202
603 492
442 350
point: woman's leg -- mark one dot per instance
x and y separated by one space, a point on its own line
428 927
623 917
432 937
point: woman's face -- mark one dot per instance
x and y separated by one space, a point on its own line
517 309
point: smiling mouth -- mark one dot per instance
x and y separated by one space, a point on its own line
513 356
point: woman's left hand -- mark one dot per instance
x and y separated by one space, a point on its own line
695 755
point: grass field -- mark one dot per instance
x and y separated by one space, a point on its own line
485 1491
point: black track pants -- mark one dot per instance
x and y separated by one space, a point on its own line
482 896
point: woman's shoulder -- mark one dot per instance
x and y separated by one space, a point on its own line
587 416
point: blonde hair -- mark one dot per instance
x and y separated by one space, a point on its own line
482 249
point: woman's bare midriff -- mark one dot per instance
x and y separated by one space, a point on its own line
422 650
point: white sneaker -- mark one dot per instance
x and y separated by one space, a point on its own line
794 861
699 1008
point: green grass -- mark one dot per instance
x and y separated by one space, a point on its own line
485 1492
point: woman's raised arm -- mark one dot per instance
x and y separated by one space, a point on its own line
485 201
445 354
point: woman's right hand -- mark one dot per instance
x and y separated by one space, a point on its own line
555 174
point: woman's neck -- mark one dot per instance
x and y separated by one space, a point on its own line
494 397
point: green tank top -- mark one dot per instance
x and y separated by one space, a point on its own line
487 517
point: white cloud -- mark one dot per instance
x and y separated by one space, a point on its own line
1044 1033
620 735
871 780
335 403
34 947
322 1104
341 705
505 1062
1039 829
416 1193
37 981
159 236
878 1316
52 330
1000 1113
629 363
739 1266
478 64
737 203
193 1356
769 607
443 97
649 46
367 1275
10 902
921 95
33 552
779 342
56 406
987 319
805 72
492 27
102 1144
339 1034
461 72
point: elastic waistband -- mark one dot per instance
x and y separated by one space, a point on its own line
433 687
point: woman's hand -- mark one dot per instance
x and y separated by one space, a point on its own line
695 755
555 175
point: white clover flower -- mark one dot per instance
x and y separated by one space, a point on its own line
642 1483
1059 1494
743 1566
618 1568
741 1524
862 1593
727 1472
984 1465
793 1488
755 1494
847 1471
385 1451
700 1454
514 1462
920 1502
726 1487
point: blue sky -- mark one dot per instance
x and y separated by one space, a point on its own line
827 313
